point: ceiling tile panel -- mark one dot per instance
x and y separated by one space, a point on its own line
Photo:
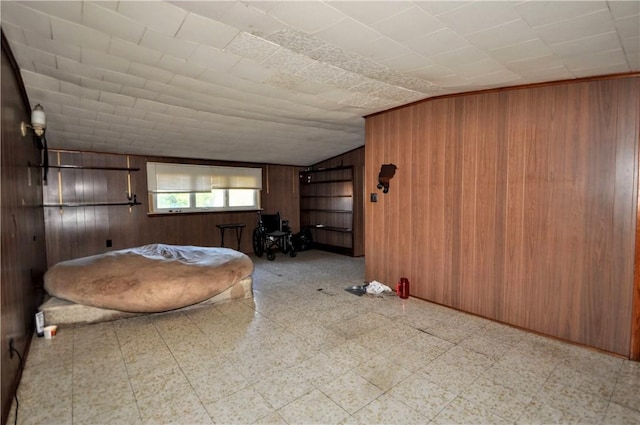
459 58
320 72
407 62
527 49
631 45
478 69
179 66
251 19
408 24
603 70
549 12
178 48
437 43
431 72
116 99
78 35
211 58
296 41
598 43
595 60
535 64
512 32
621 9
98 17
289 80
549 74
123 79
581 27
478 16
249 46
249 70
287 61
104 60
374 12
111 119
206 31
79 69
436 8
56 73
161 16
100 85
347 34
209 9
134 53
78 91
306 16
139 93
150 106
21 15
150 73
629 27
43 82
189 84
15 33
54 47
97 106
79 112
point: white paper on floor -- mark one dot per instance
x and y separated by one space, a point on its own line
376 288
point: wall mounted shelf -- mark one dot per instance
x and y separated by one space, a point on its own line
71 192
326 207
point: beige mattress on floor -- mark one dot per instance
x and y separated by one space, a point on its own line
64 313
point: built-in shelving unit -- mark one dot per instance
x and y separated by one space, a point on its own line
326 207
130 201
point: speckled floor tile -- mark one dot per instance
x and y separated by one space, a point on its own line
244 407
498 399
423 395
382 372
313 408
386 410
627 389
174 410
583 406
351 391
304 351
461 411
211 384
617 414
280 387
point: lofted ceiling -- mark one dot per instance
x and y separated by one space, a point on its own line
288 82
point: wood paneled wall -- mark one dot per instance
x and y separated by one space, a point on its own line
517 205
78 232
23 247
356 159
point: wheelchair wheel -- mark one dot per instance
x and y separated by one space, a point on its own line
258 243
293 252
271 256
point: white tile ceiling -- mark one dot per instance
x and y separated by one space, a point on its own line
288 81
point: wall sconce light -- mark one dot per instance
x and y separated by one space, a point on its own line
387 171
38 122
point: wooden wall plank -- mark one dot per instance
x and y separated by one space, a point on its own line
78 232
522 205
23 252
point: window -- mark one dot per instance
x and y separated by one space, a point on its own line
180 188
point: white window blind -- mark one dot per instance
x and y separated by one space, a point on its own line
164 177
182 188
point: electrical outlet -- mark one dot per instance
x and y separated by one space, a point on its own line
374 197
109 243
11 348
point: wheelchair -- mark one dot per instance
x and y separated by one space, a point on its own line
272 233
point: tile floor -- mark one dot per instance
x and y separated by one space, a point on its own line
304 351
